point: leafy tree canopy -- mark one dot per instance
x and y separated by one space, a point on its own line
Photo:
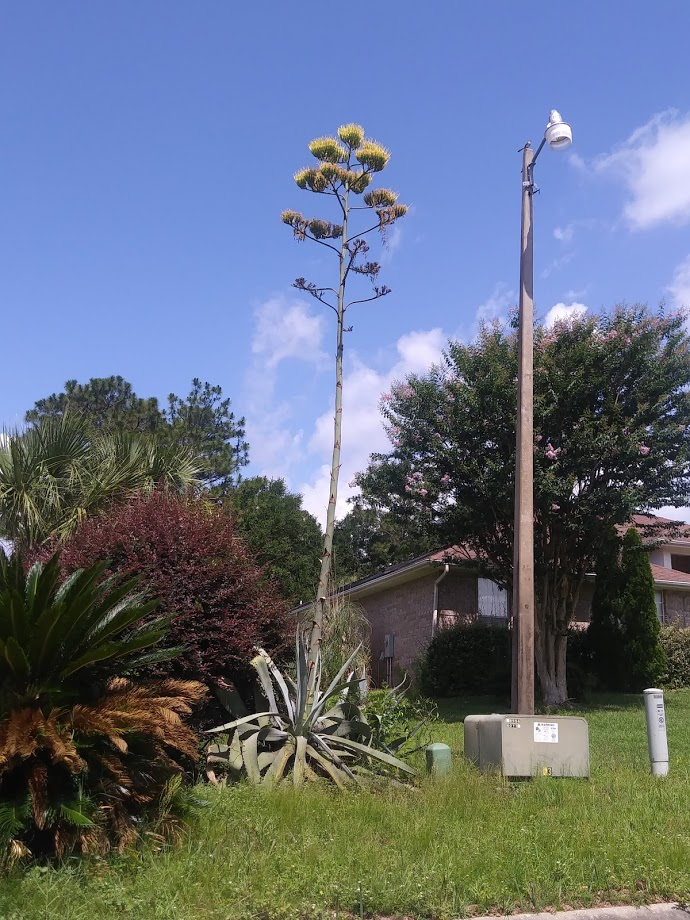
202 422
612 436
283 537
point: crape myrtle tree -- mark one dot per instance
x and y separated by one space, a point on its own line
345 167
611 437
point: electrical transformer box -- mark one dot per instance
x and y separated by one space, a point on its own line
522 746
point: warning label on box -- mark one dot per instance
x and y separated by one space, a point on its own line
546 732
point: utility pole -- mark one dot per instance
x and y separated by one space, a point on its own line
523 544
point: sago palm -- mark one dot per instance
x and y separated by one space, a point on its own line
87 755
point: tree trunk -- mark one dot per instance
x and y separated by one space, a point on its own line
554 611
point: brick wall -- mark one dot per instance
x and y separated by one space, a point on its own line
676 608
406 610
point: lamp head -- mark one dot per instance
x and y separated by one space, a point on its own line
558 134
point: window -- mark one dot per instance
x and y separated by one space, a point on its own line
659 601
492 601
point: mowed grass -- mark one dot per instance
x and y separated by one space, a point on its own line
466 844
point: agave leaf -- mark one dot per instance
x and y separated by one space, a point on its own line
344 728
338 759
275 772
377 755
339 777
260 665
231 700
299 769
333 689
264 759
250 758
301 682
278 678
218 753
245 720
268 733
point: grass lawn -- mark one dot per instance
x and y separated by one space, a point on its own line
468 843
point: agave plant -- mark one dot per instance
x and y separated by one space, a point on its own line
301 729
87 756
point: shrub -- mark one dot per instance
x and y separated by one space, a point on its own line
186 553
624 632
397 718
87 757
676 643
475 659
467 659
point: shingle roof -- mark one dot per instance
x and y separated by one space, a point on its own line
666 576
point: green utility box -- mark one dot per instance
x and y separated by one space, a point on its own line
521 746
438 759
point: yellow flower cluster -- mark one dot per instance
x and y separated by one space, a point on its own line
380 197
328 150
352 135
373 155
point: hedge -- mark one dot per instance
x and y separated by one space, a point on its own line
473 659
676 643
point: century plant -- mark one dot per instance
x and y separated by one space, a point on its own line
344 170
302 730
89 757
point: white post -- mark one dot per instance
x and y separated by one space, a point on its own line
656 731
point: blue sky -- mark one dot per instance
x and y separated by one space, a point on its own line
148 147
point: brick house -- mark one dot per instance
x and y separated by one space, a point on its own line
406 603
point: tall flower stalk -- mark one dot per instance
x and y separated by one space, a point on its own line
346 165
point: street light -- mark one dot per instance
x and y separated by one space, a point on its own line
558 136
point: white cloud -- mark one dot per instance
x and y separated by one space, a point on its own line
562 311
496 306
565 234
679 288
654 164
557 264
285 329
363 431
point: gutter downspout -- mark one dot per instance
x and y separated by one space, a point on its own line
434 617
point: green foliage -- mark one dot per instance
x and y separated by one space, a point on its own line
467 658
473 658
283 537
676 645
60 471
345 636
368 539
86 755
301 729
205 425
397 717
612 437
624 632
201 424
106 403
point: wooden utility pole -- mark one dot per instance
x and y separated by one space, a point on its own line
523 546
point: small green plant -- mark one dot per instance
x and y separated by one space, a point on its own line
301 729
397 719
